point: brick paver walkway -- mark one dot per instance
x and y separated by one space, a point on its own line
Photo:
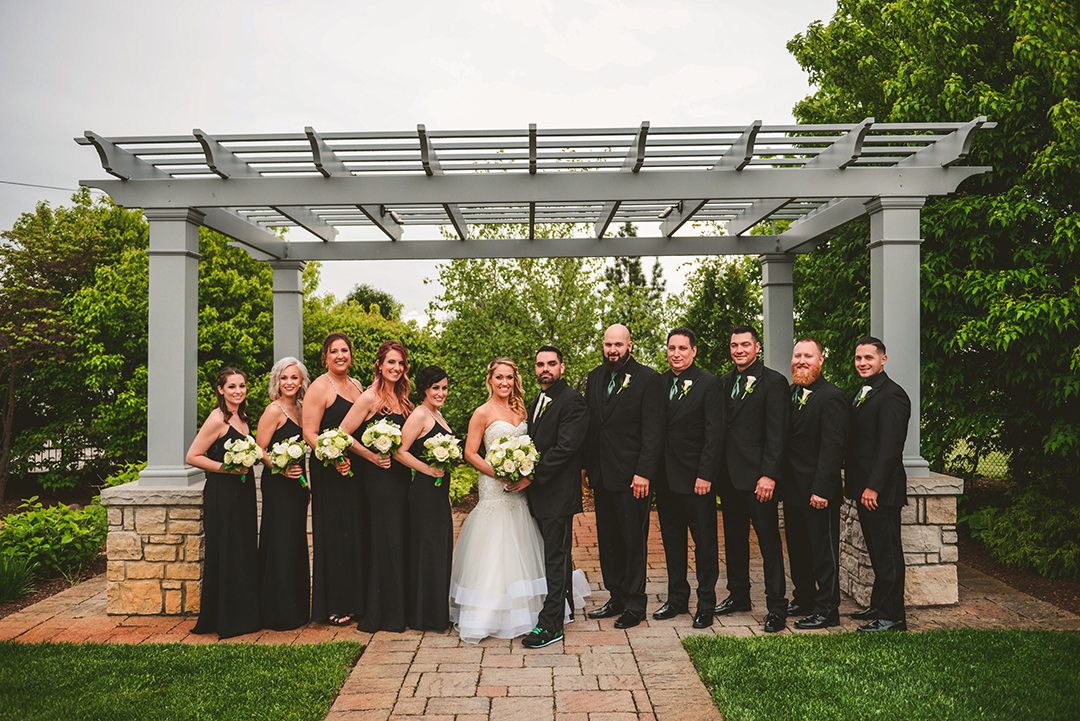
595 674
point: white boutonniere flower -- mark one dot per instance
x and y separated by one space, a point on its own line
805 397
750 381
863 394
625 383
543 406
685 388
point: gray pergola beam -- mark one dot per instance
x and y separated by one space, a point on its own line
119 162
632 163
244 232
430 160
309 221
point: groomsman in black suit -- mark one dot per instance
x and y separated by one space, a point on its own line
875 479
558 425
626 436
758 403
812 491
685 493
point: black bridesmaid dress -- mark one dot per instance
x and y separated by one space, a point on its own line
284 572
338 521
229 604
431 546
388 499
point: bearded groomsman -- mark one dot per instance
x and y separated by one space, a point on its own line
812 491
625 446
558 424
685 493
875 479
757 403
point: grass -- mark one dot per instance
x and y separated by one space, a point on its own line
964 674
171 681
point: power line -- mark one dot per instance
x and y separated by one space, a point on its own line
47 187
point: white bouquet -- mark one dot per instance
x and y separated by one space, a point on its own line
442 451
513 457
240 455
383 438
330 446
289 452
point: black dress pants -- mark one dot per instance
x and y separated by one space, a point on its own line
741 509
558 534
679 512
813 541
881 528
622 533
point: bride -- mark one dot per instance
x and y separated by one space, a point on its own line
497 583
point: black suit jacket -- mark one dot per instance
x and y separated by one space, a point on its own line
756 427
875 449
693 440
817 433
559 435
626 429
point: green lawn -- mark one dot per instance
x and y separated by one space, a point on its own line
936 675
171 681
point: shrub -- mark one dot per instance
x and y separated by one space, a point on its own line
16 577
462 480
124 474
1039 529
55 540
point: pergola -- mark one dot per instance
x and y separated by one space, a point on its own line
819 177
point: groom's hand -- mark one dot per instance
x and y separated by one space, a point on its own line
640 486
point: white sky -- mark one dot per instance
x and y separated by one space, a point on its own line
121 67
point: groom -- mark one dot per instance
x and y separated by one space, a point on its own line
558 425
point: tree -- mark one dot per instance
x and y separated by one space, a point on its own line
367 296
720 294
636 301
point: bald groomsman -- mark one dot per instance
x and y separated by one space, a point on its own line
812 491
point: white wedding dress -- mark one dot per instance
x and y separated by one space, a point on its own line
497 584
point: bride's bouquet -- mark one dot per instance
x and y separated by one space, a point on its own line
442 451
383 438
513 457
240 455
330 446
288 452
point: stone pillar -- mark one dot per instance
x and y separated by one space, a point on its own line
778 306
895 305
155 549
288 308
173 346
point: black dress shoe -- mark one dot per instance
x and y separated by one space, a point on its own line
880 624
629 619
867 614
703 618
816 621
609 609
729 605
668 611
799 609
774 622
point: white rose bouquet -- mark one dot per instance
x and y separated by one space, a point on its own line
442 451
330 446
383 438
240 455
513 457
289 452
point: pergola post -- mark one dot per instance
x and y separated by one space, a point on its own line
173 346
288 308
895 304
778 306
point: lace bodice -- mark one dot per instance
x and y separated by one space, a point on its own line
492 492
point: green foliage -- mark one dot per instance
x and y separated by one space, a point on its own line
637 302
720 294
79 682
935 675
462 480
16 577
368 296
55 539
127 473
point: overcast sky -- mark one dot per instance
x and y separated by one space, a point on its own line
150 68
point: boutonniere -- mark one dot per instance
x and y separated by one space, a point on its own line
685 388
543 407
863 394
625 383
750 381
804 397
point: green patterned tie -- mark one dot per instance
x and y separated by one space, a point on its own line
674 388
611 384
735 388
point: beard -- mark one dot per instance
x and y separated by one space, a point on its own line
805 376
617 365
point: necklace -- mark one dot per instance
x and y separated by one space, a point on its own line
500 405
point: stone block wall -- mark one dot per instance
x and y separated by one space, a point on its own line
928 534
155 549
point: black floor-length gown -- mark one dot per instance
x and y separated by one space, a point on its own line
284 572
388 500
339 518
431 546
229 604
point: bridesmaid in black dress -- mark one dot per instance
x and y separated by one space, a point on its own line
386 482
284 572
338 506
431 525
229 604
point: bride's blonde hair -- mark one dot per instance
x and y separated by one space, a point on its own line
517 394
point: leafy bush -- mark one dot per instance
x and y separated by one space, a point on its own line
16 577
124 474
55 540
462 480
1038 530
